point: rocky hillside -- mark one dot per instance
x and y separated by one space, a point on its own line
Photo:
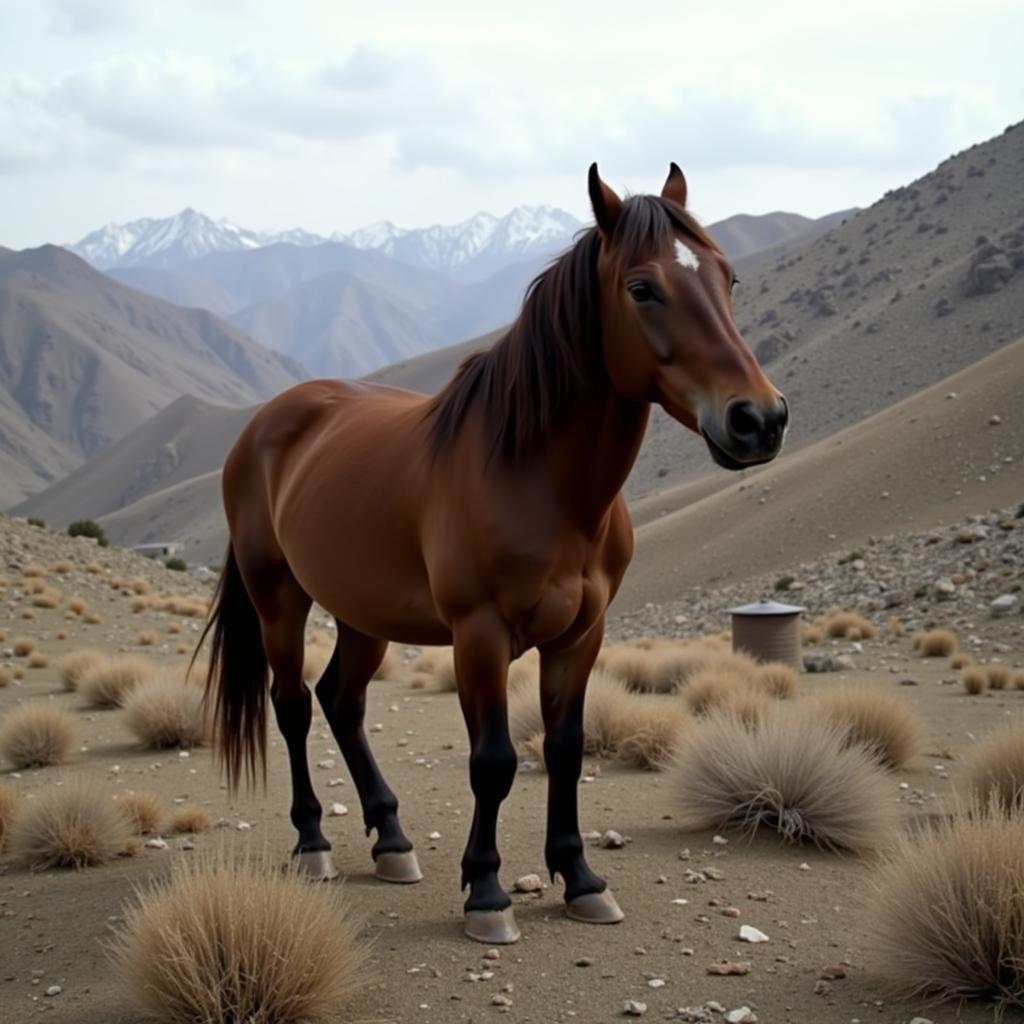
84 360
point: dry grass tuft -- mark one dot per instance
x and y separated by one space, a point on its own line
709 690
63 567
139 604
223 942
880 721
653 739
148 639
998 676
793 774
961 660
949 918
34 571
36 734
143 812
190 818
839 624
996 767
38 660
975 680
812 635
1017 679
23 646
167 713
47 598
77 605
92 619
524 671
74 825
419 681
895 628
5 677
108 684
632 665
27 614
10 804
390 666
139 585
94 569
72 667
937 643
776 679
174 628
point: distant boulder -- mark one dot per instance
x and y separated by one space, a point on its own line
989 270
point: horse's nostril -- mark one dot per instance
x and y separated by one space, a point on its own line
744 420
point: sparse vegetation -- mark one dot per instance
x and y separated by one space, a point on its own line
38 660
776 679
72 825
88 528
949 915
996 767
5 677
783 583
10 802
23 646
46 598
190 818
77 606
793 774
998 676
224 942
107 684
167 713
881 722
390 667
176 565
839 624
36 734
975 680
147 638
936 643
63 567
35 521
961 660
143 812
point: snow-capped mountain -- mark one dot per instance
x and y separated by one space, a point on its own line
171 241
476 247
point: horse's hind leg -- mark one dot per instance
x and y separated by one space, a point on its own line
563 685
283 607
342 694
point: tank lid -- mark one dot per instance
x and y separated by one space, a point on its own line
767 608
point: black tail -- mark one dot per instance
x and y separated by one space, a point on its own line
236 683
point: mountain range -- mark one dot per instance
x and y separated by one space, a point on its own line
894 299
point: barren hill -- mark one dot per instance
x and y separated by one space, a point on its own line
84 360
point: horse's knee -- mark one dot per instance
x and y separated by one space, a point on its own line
563 750
492 769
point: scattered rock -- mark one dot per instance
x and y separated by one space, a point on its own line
750 934
528 883
1003 604
54 990
611 840
822 988
338 810
729 968
743 1015
633 1008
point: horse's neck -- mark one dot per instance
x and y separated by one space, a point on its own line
595 449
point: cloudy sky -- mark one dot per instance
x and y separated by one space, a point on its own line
331 115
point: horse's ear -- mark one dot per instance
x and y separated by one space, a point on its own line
607 205
675 185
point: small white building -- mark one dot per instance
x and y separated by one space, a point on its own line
165 549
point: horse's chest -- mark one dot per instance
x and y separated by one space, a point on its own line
566 609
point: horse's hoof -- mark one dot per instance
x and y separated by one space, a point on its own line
401 868
494 927
317 865
595 908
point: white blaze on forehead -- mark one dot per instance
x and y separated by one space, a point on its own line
685 256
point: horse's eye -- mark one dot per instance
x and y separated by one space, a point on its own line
641 291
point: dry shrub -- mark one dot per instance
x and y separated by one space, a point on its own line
3 636
975 680
610 713
777 679
77 605
949 918
47 599
750 706
225 941
10 804
425 661
63 567
1017 679
142 811
147 639
524 671
139 585
651 740
38 660
998 676
167 713
839 624
534 748
27 614
812 635
895 628
961 660
632 665
37 733
419 681
108 684
390 666
709 690
996 766
139 604
23 646
524 714
181 649
34 571
794 774
5 677
174 628
880 721
190 818
73 667
94 568
92 619
937 643
73 825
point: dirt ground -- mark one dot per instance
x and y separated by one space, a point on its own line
814 906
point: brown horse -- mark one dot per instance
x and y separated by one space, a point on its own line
489 517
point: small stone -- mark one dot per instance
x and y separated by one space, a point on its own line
655 982
434 835
729 968
720 840
804 867
1003 604
338 810
244 826
922 1020
492 954
633 1008
995 419
744 1015
822 988
528 883
377 727
611 840
832 973
500 1000
54 990
156 843
583 961
730 911
750 934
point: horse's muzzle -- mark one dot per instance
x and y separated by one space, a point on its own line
749 434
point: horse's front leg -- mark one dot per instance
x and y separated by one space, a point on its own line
481 669
563 687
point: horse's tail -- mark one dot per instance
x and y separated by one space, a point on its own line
236 682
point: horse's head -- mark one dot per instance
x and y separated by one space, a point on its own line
669 335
